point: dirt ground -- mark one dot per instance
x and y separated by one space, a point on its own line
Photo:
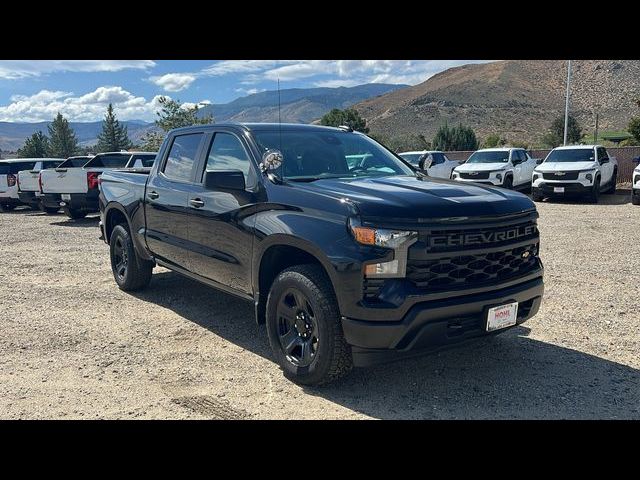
72 345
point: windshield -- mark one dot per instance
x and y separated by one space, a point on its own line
489 157
571 155
76 162
310 155
412 158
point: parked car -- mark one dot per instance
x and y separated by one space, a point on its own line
29 185
502 167
347 266
78 186
9 169
432 162
50 200
635 185
582 170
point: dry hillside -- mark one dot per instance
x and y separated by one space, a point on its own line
517 99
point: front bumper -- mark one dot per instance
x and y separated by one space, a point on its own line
435 325
570 188
487 181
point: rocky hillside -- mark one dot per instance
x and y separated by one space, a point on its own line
517 99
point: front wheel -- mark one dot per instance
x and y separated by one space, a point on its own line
635 198
303 325
130 272
74 213
614 183
594 195
536 196
6 207
508 183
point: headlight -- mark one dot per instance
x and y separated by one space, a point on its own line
589 176
398 240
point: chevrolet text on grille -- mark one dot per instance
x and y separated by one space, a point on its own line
463 239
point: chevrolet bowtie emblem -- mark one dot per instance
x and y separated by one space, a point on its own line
526 254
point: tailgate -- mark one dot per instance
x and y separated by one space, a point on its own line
65 180
3 183
28 181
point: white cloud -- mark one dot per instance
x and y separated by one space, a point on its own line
226 67
15 69
250 91
174 82
44 105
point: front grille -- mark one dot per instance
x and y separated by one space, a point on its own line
560 175
474 175
472 270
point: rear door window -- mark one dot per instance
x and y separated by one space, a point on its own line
109 161
182 158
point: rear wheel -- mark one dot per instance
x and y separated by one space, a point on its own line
129 271
6 207
303 324
635 198
74 213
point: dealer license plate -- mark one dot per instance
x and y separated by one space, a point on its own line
502 317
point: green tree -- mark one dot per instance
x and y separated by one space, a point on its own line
114 136
494 140
36 146
349 117
555 136
634 128
173 114
62 138
456 138
407 142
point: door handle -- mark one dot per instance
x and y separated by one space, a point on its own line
196 203
153 195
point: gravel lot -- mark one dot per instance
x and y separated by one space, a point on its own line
74 346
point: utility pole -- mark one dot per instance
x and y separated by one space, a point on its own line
595 136
566 106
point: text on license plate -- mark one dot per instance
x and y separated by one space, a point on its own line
502 316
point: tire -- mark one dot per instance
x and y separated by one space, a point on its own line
614 183
324 355
508 182
635 198
74 214
535 196
595 191
130 272
7 208
50 210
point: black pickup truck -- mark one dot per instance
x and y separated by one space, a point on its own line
349 254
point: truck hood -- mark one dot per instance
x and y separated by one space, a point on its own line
565 166
481 167
407 197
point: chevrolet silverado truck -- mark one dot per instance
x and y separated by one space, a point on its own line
576 170
49 198
434 163
9 170
78 187
346 265
503 167
29 183
635 185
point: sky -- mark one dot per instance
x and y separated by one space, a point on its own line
35 90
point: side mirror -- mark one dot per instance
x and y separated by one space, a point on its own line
636 160
603 161
224 180
539 161
271 160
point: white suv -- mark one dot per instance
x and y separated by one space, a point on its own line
635 185
585 170
502 167
432 162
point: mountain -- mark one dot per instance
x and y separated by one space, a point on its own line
13 135
297 105
517 99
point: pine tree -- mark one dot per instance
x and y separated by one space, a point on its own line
114 136
36 146
62 138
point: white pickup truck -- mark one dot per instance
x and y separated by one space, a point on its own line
635 185
9 169
76 188
584 170
503 167
29 185
433 162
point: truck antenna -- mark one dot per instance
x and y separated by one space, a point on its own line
279 118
